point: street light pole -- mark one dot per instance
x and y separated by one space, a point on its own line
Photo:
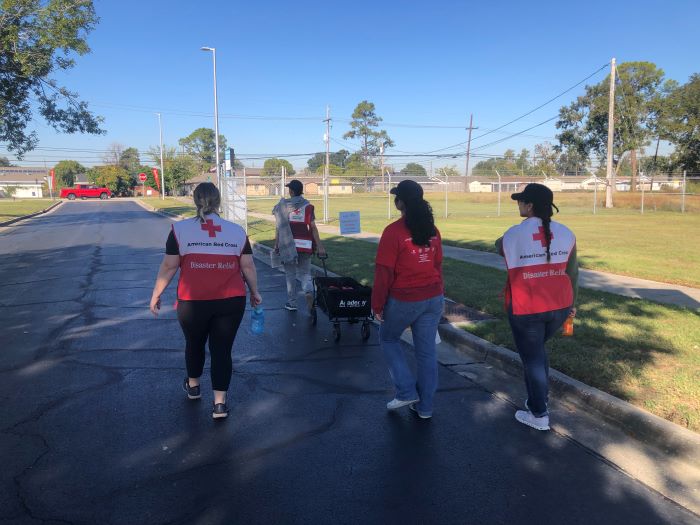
162 166
216 117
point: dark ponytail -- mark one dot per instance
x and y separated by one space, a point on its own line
419 221
544 212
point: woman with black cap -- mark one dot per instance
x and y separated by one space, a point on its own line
540 292
408 292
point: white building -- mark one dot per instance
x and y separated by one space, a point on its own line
22 183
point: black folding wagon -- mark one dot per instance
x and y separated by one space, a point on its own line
344 300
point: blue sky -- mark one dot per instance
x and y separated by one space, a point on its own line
422 63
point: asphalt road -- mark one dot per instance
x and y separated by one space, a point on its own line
96 429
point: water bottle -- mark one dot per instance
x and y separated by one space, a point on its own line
568 327
257 320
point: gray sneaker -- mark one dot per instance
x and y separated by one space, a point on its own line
192 392
527 418
422 415
220 411
291 307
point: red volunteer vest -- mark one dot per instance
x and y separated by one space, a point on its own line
300 223
209 259
534 285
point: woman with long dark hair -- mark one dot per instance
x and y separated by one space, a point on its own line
408 292
540 293
215 262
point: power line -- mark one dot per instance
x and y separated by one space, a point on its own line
545 103
516 134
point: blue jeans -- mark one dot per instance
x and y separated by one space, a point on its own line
530 332
423 317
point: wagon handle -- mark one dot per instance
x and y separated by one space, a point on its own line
323 261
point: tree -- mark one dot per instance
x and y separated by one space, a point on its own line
113 154
201 144
364 126
273 168
129 160
5 162
584 123
179 170
10 190
413 170
113 177
683 124
522 162
39 38
510 165
65 172
338 158
571 162
449 171
545 160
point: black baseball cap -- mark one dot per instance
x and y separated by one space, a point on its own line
407 190
534 193
296 186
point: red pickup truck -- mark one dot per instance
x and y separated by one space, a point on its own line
85 191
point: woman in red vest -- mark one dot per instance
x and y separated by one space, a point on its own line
540 292
408 292
215 262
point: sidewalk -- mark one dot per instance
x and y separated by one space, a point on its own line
594 280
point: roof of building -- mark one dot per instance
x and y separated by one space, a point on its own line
16 177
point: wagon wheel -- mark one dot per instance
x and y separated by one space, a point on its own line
365 330
336 332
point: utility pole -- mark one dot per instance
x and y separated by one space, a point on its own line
381 164
326 169
684 191
162 166
469 149
611 131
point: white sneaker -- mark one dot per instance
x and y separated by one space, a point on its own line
527 418
395 404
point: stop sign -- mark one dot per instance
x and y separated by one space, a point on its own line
142 177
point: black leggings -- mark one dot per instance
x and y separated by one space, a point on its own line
218 321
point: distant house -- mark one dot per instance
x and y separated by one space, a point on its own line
81 178
145 191
191 184
27 183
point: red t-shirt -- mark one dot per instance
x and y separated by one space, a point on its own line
404 270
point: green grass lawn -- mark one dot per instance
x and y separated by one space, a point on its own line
171 205
655 245
640 351
11 209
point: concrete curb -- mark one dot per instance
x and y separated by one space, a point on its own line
636 422
165 213
12 221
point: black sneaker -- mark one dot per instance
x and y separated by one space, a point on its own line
220 411
291 307
191 391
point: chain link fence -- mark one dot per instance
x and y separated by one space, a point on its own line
253 193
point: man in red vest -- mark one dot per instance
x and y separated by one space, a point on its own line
296 239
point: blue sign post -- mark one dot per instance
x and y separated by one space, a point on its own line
349 222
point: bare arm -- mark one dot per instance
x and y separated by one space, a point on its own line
320 250
250 275
168 269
